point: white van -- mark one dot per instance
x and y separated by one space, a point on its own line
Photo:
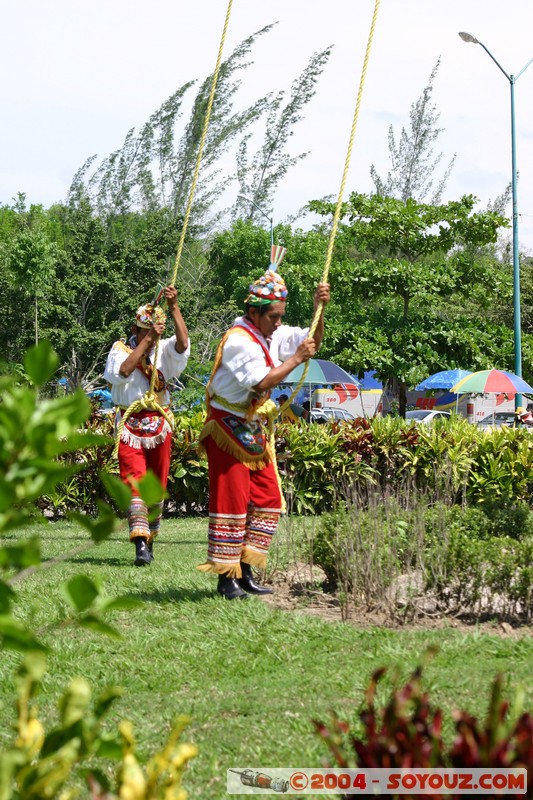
349 398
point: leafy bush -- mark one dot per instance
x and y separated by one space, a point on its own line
188 484
320 465
316 466
452 559
362 551
42 444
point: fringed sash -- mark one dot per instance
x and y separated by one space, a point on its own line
245 440
146 429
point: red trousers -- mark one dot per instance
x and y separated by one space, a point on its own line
133 463
244 509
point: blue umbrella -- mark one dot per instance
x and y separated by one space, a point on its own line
369 380
321 371
442 380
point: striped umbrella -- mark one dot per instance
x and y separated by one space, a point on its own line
495 381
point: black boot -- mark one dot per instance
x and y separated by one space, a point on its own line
150 546
248 583
142 553
230 589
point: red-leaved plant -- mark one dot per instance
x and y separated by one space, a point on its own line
407 733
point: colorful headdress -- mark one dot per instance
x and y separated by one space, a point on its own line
270 288
146 315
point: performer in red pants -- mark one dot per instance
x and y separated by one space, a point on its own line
244 495
146 439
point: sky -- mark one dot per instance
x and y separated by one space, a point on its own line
78 75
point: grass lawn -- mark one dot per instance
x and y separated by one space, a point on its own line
250 677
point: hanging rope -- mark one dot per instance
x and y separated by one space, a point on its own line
149 400
338 207
272 414
201 146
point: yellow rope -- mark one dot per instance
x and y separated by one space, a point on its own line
202 143
149 401
338 207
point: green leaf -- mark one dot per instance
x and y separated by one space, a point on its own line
124 603
7 494
16 637
40 362
117 490
75 701
150 489
106 699
94 623
6 596
33 666
22 555
101 527
110 748
81 592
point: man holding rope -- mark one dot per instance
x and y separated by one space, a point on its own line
245 499
146 437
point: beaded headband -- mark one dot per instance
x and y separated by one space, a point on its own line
145 315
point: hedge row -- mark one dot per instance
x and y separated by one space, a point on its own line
452 462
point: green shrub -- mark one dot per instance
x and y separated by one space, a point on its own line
320 465
42 444
188 483
362 551
455 553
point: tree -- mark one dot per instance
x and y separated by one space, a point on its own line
151 170
413 162
401 274
241 254
32 258
270 163
154 168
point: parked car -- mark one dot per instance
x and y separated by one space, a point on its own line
337 413
318 415
426 416
498 419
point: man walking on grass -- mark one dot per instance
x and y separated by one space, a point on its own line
146 438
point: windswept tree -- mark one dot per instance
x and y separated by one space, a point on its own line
32 259
413 160
259 177
154 167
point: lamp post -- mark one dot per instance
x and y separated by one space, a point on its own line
270 219
467 37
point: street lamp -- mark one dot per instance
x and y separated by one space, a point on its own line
467 37
270 219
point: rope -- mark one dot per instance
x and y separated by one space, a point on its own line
270 417
201 146
338 208
149 401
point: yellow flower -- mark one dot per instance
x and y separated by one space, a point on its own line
132 780
31 736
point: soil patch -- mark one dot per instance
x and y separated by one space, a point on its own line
305 591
